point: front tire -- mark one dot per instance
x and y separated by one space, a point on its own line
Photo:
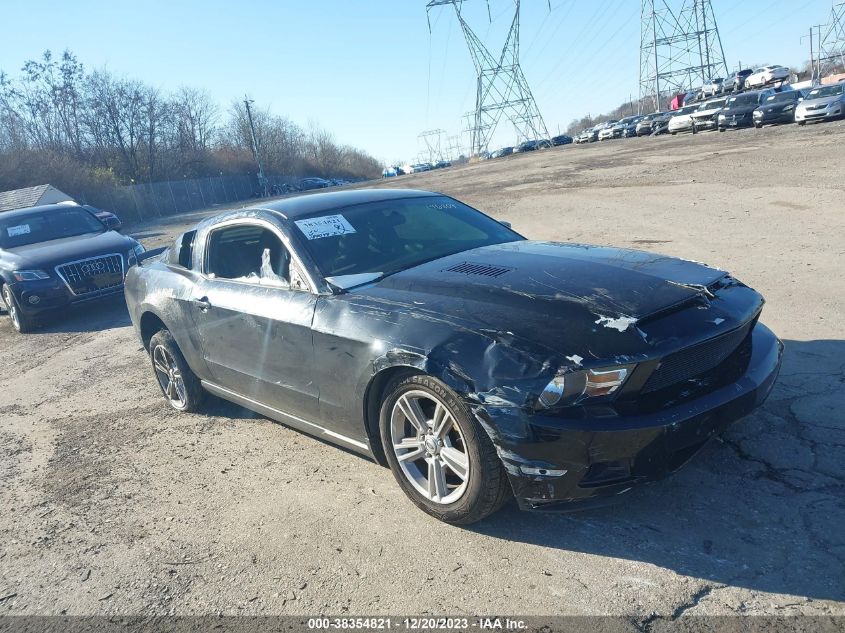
439 454
180 386
21 322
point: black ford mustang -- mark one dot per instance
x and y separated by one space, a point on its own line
409 327
55 256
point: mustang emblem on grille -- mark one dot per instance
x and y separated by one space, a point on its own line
93 268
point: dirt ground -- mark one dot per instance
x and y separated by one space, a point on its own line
113 504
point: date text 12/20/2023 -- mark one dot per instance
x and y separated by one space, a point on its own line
417 623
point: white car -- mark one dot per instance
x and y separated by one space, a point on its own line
681 121
705 117
606 134
767 75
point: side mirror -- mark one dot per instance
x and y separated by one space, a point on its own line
505 223
113 222
150 254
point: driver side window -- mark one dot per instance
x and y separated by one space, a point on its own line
248 253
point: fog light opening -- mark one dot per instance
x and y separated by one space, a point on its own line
34 299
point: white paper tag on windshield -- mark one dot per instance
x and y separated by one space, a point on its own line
23 229
325 226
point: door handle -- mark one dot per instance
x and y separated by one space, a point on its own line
203 304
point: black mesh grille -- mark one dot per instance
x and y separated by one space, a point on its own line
694 361
485 270
90 275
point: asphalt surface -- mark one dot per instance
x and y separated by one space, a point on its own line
113 504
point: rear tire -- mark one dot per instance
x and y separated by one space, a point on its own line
180 386
441 457
21 322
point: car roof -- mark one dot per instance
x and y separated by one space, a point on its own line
44 207
299 206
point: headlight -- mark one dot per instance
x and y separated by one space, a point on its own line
135 253
791 106
722 117
29 275
574 387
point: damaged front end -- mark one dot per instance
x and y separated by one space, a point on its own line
597 428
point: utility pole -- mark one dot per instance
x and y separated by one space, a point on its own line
680 47
262 180
812 55
501 88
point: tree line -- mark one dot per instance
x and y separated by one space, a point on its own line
84 130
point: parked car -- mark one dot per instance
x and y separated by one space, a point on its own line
822 104
767 75
739 109
590 135
563 139
532 145
106 217
660 124
713 87
499 153
306 184
389 172
620 129
778 107
56 256
417 331
736 81
681 120
420 167
704 117
645 125
442 164
605 134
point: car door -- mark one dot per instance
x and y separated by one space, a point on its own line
255 330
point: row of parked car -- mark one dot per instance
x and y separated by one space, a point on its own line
754 108
391 172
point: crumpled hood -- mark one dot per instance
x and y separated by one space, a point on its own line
546 293
46 255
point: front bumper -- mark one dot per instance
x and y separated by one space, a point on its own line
833 111
36 298
553 462
736 120
779 116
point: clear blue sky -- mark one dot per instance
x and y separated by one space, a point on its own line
369 71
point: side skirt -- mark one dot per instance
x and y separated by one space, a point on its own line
289 420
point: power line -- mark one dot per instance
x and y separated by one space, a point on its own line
501 88
680 47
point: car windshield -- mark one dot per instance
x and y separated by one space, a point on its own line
43 226
746 99
791 95
710 105
827 91
393 235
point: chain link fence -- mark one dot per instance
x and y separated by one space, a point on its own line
144 201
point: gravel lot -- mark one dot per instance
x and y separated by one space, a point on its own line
113 504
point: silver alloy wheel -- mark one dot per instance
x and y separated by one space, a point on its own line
169 377
429 447
10 306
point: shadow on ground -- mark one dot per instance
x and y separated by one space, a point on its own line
96 316
761 508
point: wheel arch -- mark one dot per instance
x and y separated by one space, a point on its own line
376 387
148 325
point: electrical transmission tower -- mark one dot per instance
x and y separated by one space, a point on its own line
433 144
501 90
832 43
680 48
